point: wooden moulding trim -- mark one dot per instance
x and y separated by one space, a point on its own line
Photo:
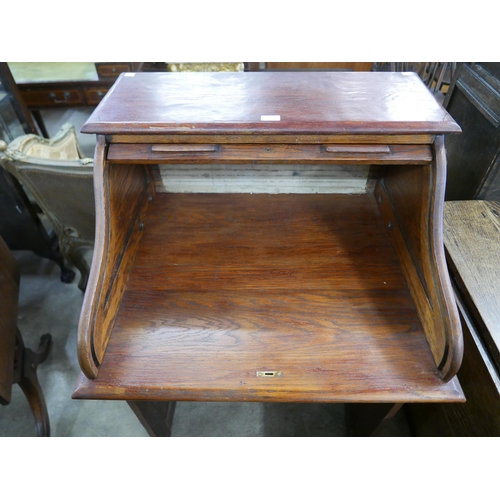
92 389
270 139
270 128
433 297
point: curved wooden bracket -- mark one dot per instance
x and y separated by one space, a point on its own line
411 201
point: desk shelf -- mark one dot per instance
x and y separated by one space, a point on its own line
225 286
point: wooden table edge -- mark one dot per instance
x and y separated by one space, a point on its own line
85 388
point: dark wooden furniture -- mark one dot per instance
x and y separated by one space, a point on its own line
474 159
111 70
9 292
472 240
313 66
58 94
257 297
18 364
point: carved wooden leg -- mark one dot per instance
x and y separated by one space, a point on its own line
155 416
74 254
369 419
83 267
67 275
53 253
25 365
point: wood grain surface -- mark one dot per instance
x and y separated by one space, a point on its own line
308 286
235 103
411 201
271 138
269 153
480 381
123 196
472 239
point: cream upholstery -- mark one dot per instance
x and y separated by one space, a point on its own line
63 146
60 179
211 66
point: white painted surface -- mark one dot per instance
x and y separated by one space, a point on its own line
270 179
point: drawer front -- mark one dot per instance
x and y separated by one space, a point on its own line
112 70
94 96
54 97
269 153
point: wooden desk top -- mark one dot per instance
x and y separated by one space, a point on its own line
472 240
249 103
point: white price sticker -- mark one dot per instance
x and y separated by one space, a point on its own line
270 118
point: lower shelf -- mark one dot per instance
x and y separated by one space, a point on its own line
226 286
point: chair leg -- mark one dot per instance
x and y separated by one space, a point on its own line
74 254
67 275
53 253
26 365
82 265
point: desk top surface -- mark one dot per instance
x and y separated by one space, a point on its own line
270 103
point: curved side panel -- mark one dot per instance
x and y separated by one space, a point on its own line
123 194
452 358
87 361
411 201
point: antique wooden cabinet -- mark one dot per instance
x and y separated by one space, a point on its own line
474 156
59 85
340 295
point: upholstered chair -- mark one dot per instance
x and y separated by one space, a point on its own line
60 179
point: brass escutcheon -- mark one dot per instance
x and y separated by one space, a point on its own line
268 373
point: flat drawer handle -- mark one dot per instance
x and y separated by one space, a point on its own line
184 148
355 149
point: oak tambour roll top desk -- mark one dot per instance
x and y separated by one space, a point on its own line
299 259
